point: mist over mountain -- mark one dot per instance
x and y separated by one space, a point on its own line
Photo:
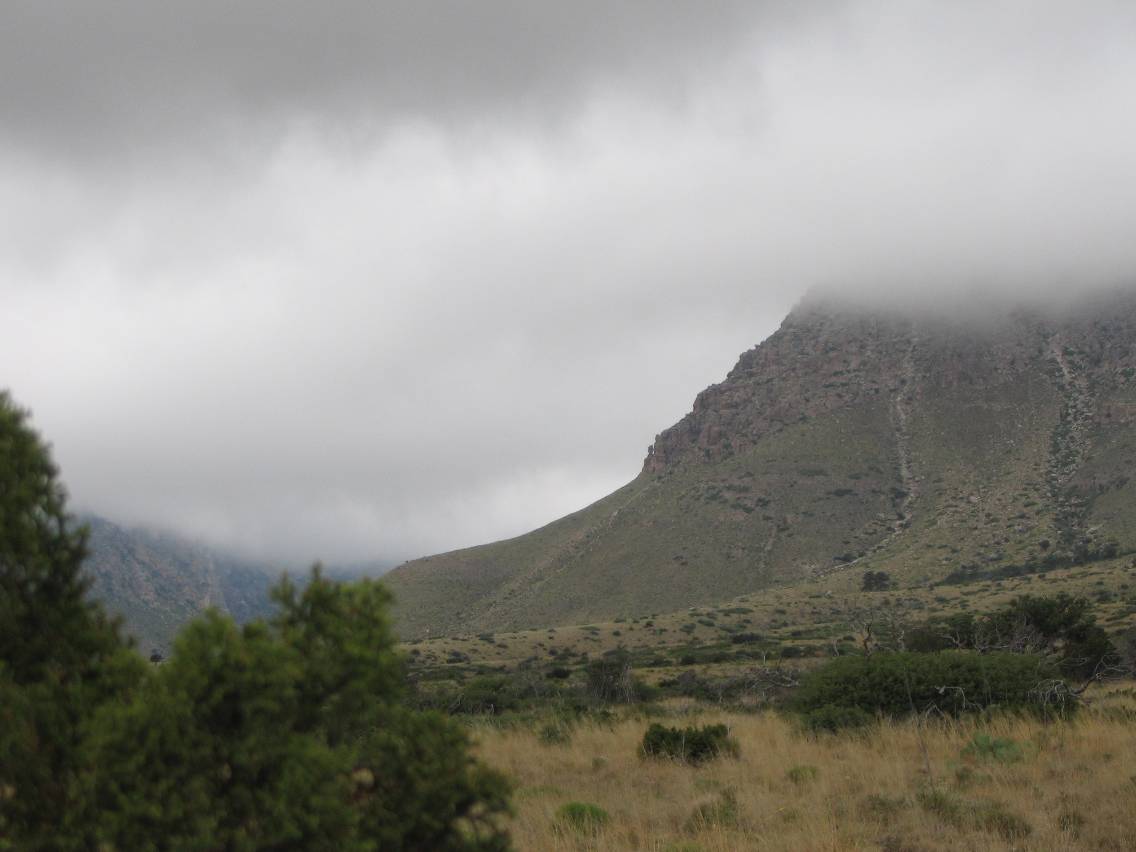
920 443
158 581
297 285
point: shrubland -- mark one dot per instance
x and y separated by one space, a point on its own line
896 729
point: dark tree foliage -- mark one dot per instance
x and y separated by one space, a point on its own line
1060 627
691 744
291 734
609 679
944 633
61 657
875 581
286 734
1063 626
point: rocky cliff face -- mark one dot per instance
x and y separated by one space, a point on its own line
818 362
919 444
827 356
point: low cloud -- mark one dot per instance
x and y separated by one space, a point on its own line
376 302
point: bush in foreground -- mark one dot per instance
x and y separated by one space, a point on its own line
285 734
61 656
290 734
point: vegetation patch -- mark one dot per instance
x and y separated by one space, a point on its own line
951 683
833 718
721 813
991 817
802 775
690 744
999 749
582 817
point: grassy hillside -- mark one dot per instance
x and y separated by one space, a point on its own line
921 447
801 621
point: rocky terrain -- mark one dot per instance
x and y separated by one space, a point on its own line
933 446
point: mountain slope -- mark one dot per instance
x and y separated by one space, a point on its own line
917 445
158 582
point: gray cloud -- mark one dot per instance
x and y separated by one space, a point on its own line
83 79
306 342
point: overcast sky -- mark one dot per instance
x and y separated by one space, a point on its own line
366 280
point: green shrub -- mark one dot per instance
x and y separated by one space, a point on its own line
830 719
691 744
610 681
1067 628
583 817
1061 627
966 777
951 682
555 733
802 775
874 581
290 734
987 747
490 695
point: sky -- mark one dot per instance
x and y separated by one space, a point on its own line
372 280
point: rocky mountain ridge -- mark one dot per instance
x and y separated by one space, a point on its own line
924 445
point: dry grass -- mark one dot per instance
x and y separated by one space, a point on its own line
1070 785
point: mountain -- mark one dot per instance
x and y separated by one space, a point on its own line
158 582
926 445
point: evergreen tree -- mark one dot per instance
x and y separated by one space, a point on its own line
60 655
291 734
286 734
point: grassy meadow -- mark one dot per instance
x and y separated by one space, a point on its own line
1001 784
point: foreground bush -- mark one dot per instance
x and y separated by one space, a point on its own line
692 744
290 734
898 684
286 734
61 656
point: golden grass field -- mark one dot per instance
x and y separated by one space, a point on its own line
1058 786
